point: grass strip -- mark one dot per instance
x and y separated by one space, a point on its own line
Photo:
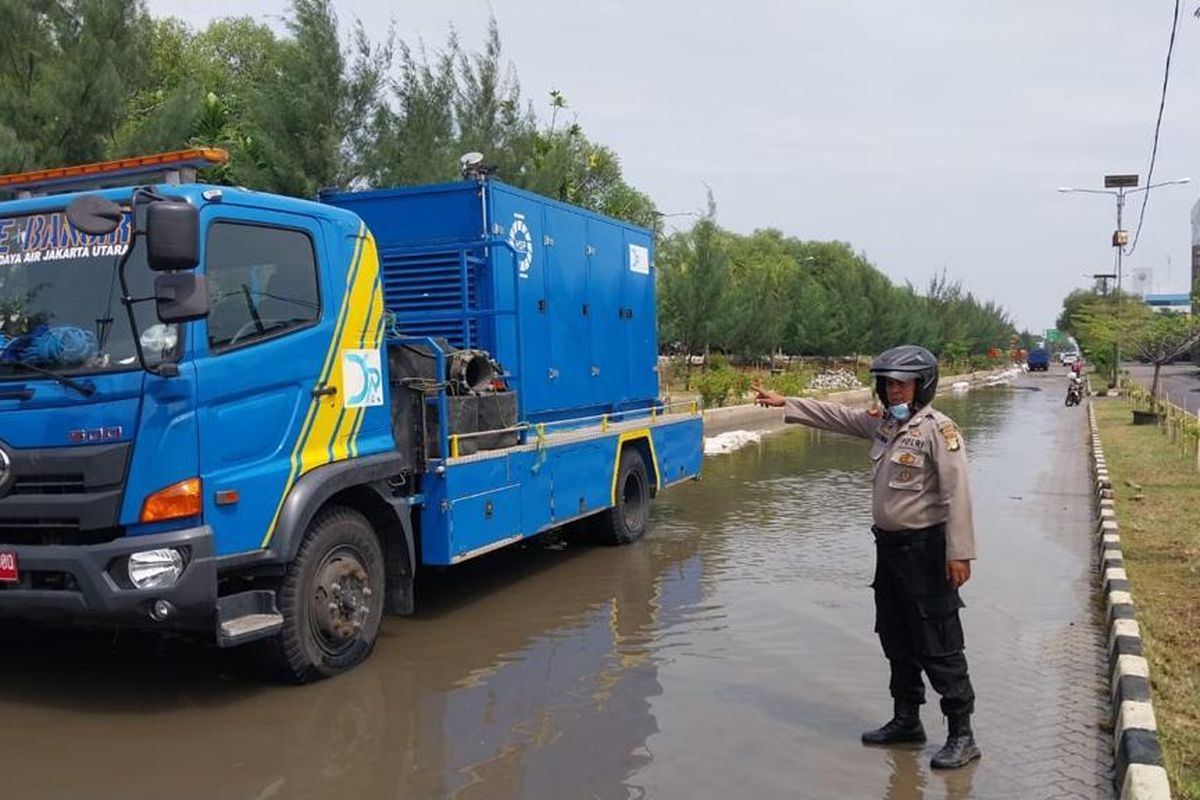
1157 491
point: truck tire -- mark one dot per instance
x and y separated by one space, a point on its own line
625 522
331 598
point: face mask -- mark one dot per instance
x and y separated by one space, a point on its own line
900 412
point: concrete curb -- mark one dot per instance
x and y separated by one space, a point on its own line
1140 772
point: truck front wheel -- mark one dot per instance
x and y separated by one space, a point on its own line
625 522
331 598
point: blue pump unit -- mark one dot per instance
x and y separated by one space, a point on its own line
561 296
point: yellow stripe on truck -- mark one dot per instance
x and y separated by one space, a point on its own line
633 436
363 311
313 445
372 338
318 449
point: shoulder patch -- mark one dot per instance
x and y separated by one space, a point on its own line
950 434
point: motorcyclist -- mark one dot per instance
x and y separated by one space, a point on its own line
1075 388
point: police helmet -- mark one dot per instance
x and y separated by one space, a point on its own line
906 363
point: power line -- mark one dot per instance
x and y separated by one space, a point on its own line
1157 127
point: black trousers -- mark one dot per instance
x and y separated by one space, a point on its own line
916 617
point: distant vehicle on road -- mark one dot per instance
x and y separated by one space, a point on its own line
1074 391
1038 359
1067 359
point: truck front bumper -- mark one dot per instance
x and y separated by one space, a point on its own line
89 583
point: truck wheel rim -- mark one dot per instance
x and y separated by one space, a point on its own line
340 600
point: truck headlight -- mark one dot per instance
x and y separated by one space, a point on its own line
155 569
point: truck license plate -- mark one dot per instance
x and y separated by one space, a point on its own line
8 568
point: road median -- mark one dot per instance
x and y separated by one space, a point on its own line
1148 502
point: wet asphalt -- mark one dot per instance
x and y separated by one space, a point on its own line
1179 383
730 654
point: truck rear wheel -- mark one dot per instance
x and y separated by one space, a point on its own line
625 522
331 598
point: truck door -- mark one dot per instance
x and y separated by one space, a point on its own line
570 332
519 221
266 340
638 317
609 351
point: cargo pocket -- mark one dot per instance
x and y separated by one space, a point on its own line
941 628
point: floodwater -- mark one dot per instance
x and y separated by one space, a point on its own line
730 654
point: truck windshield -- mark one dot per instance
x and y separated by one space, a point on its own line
60 299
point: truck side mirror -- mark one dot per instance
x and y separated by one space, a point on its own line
172 235
94 215
181 297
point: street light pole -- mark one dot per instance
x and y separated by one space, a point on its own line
1120 244
1120 183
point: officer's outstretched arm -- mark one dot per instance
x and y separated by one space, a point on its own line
833 417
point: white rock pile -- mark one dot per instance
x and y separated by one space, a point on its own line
729 441
834 381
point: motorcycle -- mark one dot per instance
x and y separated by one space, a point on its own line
1074 391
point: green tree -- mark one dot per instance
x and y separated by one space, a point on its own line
693 274
66 69
1101 327
1161 339
202 90
452 101
1071 305
294 111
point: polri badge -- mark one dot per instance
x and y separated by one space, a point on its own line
950 434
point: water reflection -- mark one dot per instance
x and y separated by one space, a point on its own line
523 674
909 780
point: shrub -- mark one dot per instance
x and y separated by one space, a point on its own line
717 386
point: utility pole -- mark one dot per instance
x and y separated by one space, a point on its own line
1116 185
1120 239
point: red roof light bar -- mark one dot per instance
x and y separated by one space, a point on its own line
196 158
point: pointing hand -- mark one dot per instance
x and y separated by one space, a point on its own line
766 397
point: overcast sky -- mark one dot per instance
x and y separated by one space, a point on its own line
929 135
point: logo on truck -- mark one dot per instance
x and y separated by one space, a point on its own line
521 241
363 375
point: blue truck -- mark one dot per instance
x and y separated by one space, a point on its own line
1038 360
258 419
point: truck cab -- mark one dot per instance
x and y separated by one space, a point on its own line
205 423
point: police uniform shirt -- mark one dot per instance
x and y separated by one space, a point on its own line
918 468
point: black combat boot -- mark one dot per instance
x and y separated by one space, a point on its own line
959 749
904 727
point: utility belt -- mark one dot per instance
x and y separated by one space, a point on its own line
909 537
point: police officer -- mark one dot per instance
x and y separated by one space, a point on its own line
924 541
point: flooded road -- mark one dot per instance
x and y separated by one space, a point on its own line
731 654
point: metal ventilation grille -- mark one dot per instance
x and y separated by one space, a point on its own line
49 484
434 292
